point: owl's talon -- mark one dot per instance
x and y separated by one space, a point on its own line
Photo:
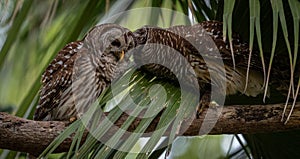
198 113
72 119
200 108
205 105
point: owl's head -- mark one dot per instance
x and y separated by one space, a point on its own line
141 35
109 40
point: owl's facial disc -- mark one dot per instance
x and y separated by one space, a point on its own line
109 40
116 48
119 46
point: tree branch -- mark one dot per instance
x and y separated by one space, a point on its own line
34 136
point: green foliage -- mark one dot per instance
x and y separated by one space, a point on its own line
37 30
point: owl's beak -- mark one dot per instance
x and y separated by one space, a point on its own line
120 55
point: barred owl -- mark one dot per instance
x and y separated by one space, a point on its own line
81 71
193 42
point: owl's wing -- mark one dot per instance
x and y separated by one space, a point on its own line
56 79
208 43
203 34
240 48
237 80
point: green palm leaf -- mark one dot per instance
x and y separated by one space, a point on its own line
35 36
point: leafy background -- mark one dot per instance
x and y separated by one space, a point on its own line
33 31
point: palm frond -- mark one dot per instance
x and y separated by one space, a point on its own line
34 36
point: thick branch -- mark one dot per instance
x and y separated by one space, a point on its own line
33 136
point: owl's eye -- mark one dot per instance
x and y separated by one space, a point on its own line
116 43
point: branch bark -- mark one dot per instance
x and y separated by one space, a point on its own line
30 136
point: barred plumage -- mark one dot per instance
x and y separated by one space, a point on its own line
81 71
193 42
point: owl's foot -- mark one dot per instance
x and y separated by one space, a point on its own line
205 102
200 109
205 105
72 119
